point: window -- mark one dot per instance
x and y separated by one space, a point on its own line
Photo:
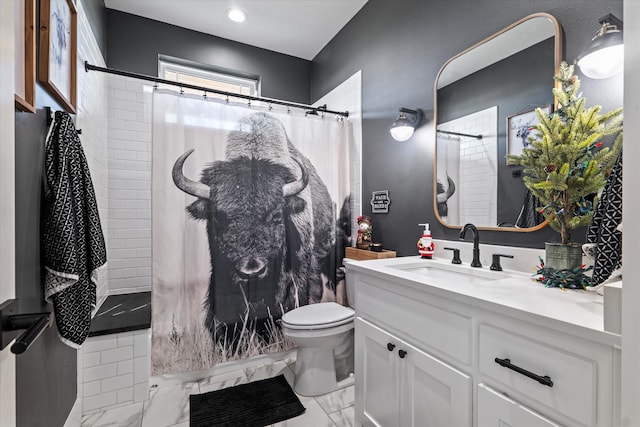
209 77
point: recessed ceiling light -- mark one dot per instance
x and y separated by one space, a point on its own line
236 15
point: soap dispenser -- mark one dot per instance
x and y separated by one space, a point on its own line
425 244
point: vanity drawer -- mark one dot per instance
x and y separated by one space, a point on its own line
496 409
573 376
427 325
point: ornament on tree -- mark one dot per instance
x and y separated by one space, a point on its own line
585 206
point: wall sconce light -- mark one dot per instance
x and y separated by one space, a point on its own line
407 121
604 56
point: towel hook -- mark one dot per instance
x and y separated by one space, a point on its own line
51 117
49 112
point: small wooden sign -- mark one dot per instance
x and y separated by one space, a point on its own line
380 201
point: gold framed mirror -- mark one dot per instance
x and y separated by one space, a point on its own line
484 98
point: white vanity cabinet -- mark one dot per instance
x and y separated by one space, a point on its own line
404 386
504 352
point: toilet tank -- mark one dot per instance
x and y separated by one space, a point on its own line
351 293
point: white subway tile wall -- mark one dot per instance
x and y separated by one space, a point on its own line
129 165
116 369
92 119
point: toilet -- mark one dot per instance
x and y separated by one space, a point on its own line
324 335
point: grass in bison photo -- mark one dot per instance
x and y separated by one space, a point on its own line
190 347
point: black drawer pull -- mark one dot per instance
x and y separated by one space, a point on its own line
390 346
546 380
402 354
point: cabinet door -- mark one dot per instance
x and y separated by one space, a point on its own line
377 380
433 394
497 410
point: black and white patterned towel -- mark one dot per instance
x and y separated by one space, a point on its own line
72 240
603 233
530 215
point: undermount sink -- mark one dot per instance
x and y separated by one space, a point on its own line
450 272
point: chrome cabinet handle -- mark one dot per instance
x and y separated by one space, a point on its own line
544 380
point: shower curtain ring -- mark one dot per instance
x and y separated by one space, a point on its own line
249 103
181 90
204 95
270 106
227 99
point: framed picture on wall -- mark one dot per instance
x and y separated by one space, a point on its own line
519 129
58 47
25 52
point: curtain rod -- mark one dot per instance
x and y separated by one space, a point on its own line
460 134
310 110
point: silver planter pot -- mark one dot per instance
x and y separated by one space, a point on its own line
563 257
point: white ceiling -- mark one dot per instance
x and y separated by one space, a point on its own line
299 28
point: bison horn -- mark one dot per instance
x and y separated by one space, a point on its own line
452 187
444 196
195 188
293 188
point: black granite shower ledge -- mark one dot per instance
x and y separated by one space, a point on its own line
122 313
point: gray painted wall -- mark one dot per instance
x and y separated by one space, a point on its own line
134 43
46 373
97 16
400 46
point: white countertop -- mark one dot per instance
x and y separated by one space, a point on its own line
515 294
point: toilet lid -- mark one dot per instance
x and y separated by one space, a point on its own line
315 316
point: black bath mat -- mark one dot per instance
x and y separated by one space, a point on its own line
258 404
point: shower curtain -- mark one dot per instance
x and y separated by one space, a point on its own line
250 215
448 177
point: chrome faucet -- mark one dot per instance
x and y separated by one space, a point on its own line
476 240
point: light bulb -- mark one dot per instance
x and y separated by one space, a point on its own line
401 133
236 15
603 63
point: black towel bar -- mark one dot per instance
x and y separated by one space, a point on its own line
11 323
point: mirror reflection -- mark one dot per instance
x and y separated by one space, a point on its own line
484 99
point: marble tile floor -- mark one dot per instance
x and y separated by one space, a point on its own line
169 406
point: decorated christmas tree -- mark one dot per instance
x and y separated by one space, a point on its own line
566 163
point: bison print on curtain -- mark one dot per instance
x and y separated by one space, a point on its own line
250 214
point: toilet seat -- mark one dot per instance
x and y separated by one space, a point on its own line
318 316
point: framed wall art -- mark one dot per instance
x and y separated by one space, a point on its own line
58 50
519 129
25 52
